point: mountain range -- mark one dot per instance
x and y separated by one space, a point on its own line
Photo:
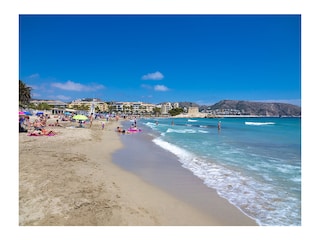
249 108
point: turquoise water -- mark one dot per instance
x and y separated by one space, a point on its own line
255 163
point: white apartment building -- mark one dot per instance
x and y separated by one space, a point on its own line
166 107
133 107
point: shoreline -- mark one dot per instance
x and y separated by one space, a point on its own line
70 180
163 170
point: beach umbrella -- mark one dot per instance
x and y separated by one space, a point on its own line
39 113
80 117
22 113
67 113
28 113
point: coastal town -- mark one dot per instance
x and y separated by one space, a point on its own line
93 105
138 108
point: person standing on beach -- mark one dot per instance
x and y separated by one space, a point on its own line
91 119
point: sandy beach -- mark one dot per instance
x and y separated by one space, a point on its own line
70 180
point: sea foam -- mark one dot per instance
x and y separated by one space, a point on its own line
259 123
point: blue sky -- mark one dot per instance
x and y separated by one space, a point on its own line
157 58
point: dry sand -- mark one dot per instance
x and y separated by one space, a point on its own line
69 180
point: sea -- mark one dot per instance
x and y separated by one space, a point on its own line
254 163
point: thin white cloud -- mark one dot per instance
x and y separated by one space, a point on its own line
153 76
35 95
33 87
161 88
148 96
63 98
146 86
72 86
33 76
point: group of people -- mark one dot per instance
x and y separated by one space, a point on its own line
120 130
129 131
56 124
37 127
133 128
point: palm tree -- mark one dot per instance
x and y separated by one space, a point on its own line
24 93
157 111
43 106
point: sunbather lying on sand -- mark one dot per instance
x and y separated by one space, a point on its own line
42 132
